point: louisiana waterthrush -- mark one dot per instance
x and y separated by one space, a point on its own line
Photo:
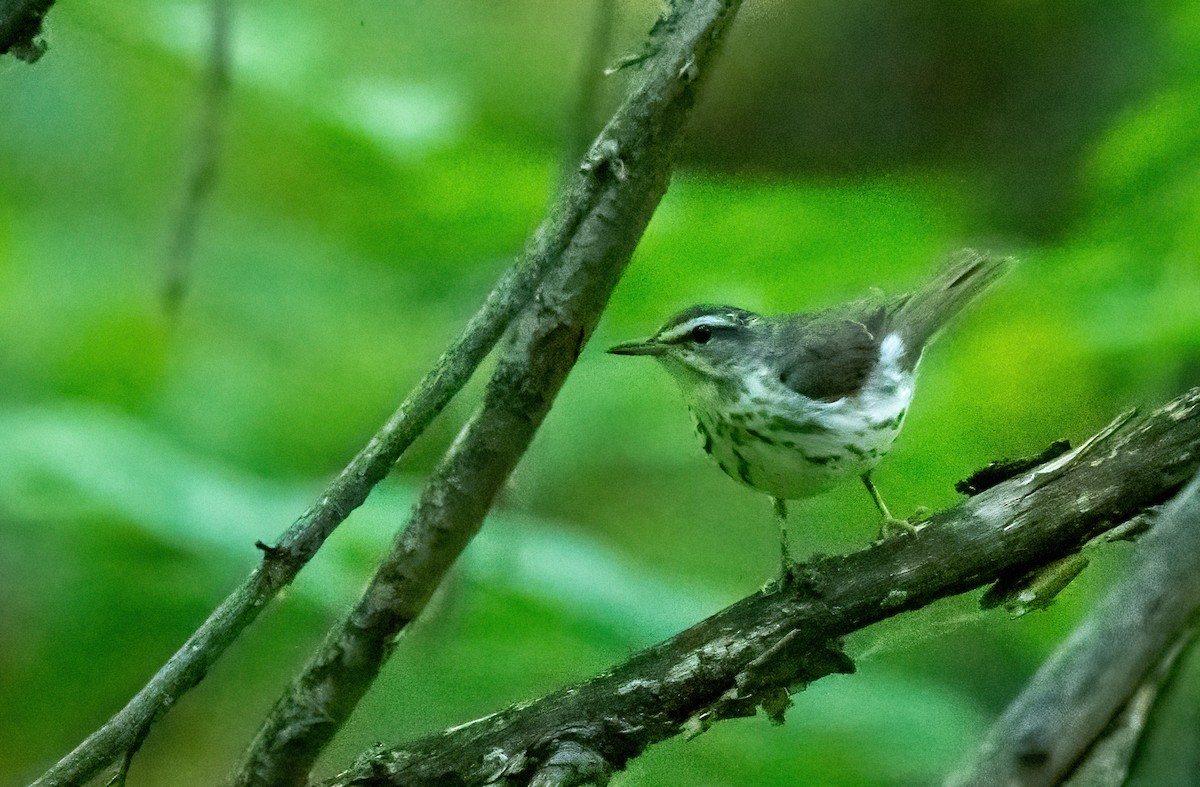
791 405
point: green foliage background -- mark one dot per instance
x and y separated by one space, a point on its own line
382 163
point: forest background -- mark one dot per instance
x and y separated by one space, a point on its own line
380 164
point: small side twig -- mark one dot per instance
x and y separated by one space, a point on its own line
202 169
1003 469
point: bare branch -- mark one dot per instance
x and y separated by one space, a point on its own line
297 545
21 28
754 653
202 171
1079 690
616 192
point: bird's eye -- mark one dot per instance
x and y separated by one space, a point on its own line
701 334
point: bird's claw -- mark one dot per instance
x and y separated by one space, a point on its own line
920 514
777 584
891 526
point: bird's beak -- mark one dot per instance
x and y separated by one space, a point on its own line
648 347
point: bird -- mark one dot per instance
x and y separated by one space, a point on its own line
792 405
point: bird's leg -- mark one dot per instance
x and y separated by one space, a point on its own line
878 498
890 525
785 557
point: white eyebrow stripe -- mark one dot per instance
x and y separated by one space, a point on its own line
678 332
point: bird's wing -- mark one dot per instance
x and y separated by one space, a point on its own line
830 354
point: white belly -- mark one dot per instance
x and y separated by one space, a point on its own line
782 443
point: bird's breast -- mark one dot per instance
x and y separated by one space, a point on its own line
789 446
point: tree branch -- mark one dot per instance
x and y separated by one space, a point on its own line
297 545
21 28
616 191
757 651
1067 705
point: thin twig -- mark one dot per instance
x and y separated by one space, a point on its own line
756 652
1066 706
202 170
625 176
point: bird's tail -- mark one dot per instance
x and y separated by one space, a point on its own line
921 314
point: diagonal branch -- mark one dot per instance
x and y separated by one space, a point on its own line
617 190
300 542
757 651
297 545
1067 705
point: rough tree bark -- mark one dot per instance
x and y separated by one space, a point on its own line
1067 705
619 186
756 652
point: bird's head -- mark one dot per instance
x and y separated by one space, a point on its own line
702 346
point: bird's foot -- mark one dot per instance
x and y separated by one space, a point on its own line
920 514
773 586
781 581
891 526
777 584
